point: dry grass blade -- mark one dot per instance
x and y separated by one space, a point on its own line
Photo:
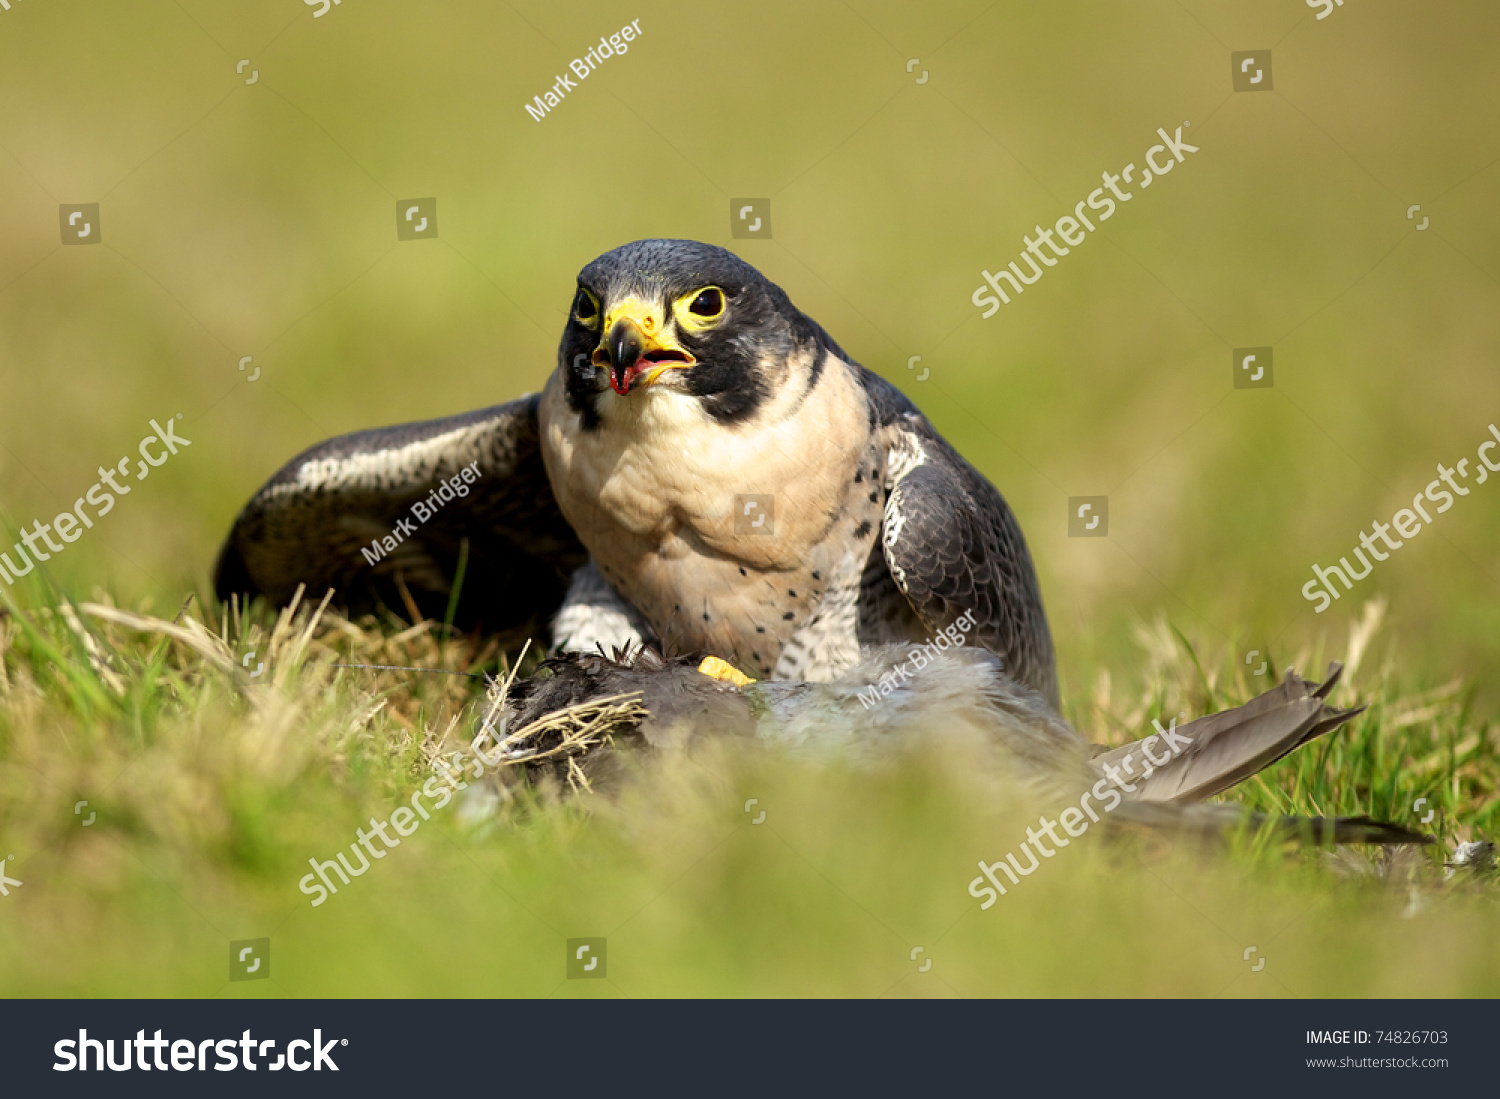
288 667
1361 632
205 645
571 731
576 778
498 696
98 658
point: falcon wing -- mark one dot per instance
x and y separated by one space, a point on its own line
953 546
365 514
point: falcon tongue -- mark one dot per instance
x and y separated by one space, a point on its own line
652 365
621 378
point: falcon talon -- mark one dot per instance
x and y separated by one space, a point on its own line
722 670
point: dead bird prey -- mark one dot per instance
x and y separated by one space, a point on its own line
706 470
1159 780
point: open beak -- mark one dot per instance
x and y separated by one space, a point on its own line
635 347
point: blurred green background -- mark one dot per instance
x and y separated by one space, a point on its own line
260 220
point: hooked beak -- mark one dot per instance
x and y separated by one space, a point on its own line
636 347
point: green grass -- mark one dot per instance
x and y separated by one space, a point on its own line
213 789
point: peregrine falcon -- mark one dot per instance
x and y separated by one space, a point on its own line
705 470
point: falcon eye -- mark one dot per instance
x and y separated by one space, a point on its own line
708 304
586 308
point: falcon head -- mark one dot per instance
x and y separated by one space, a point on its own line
677 316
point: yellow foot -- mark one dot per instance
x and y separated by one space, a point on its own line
715 668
